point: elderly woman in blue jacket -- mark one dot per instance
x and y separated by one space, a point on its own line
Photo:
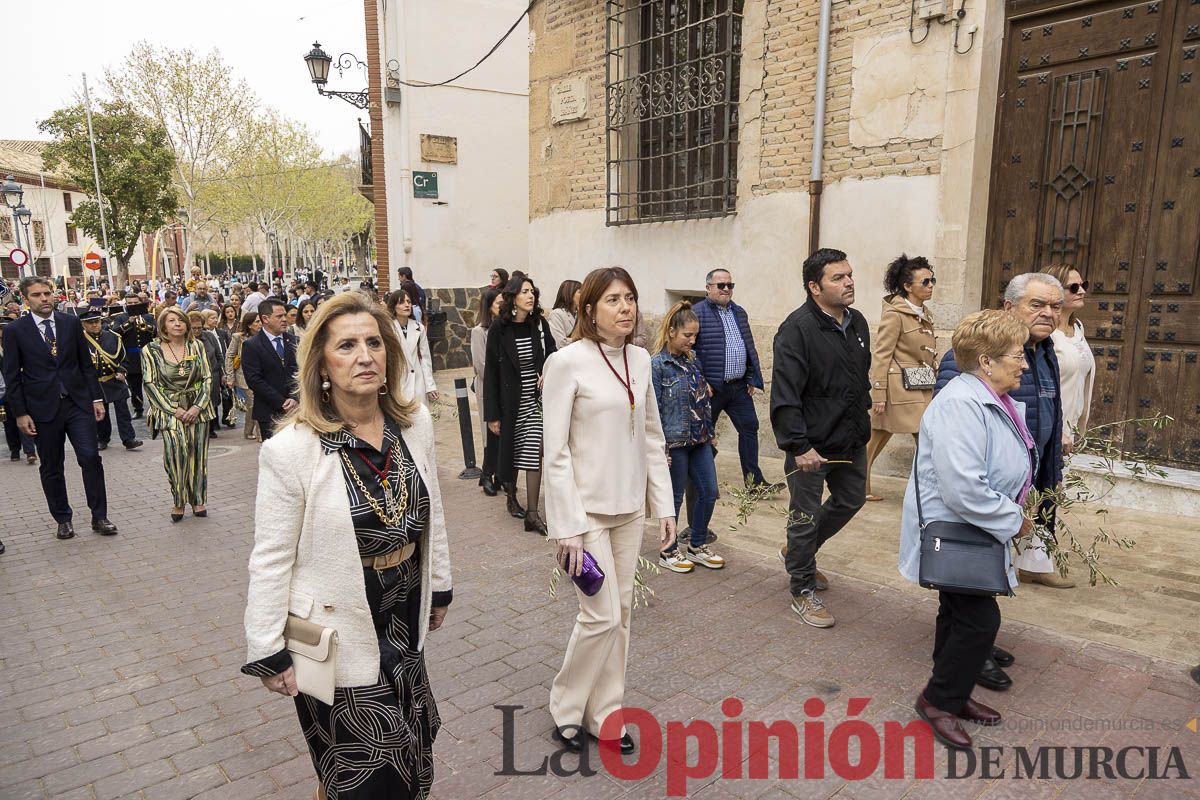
975 464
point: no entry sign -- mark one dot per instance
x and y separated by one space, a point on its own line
92 260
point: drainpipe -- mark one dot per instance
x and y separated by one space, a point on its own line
816 183
405 149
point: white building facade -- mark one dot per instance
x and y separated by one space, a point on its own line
456 163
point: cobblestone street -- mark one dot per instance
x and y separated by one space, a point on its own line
119 657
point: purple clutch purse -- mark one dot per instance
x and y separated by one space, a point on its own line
592 577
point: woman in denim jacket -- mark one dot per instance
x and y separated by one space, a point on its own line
683 406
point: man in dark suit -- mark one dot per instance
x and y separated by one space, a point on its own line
269 364
53 390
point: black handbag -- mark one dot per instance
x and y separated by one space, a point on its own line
957 556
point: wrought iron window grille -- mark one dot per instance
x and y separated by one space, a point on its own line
671 113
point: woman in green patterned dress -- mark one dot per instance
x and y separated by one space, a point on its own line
178 382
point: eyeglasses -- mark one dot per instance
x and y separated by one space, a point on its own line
1074 288
723 286
929 281
1014 356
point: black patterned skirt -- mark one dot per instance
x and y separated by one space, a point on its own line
376 742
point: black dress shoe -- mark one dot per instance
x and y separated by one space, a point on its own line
1 548
65 531
489 486
102 446
104 527
514 508
176 517
992 677
14 456
572 742
1002 658
535 524
132 444
1195 670
136 415
626 741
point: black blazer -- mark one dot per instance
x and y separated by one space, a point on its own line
271 380
36 379
502 384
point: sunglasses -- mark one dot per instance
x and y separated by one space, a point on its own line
1074 288
723 286
929 281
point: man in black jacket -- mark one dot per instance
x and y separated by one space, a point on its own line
820 411
269 364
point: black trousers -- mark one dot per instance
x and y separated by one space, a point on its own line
811 522
266 429
124 422
133 376
491 452
966 630
226 408
79 426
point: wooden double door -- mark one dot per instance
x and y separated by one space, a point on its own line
1096 164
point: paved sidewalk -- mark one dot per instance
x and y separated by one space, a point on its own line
119 658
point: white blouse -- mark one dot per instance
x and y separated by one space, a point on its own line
596 462
1077 375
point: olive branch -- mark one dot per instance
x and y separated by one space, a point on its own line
1050 510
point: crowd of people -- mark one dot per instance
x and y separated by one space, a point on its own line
620 426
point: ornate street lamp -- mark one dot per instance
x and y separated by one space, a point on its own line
12 192
23 216
225 237
318 70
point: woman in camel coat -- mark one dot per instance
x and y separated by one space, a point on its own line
905 339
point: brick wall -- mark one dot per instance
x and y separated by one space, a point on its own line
567 161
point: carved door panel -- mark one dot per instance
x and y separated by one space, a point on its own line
1092 97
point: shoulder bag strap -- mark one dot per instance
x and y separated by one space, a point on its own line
917 485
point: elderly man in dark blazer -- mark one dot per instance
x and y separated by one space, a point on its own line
53 390
269 364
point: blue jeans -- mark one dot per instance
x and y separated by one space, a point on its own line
696 464
735 399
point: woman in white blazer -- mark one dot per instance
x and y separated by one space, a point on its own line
350 535
414 340
605 471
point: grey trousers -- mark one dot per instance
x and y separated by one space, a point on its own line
811 523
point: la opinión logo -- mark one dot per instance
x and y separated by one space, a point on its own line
853 749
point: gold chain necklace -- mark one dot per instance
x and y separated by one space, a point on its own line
392 512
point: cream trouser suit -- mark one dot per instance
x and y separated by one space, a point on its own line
591 683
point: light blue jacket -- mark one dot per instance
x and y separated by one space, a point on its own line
972 463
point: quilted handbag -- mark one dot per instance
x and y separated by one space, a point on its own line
918 378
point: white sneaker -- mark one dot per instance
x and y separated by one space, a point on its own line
675 562
705 557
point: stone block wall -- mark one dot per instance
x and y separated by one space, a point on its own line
453 351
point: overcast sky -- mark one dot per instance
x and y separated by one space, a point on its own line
49 44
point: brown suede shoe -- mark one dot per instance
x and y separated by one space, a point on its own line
1051 579
980 714
946 727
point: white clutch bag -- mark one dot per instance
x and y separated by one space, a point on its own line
314 656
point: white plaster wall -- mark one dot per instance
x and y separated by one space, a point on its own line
763 245
480 218
873 222
48 207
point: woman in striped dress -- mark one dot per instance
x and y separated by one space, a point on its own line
518 343
178 384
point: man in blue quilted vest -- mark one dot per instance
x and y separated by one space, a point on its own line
730 364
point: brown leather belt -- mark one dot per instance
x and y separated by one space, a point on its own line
392 559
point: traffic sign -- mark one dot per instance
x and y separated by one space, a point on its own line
92 260
18 257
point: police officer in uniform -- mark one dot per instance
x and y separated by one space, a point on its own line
136 329
108 354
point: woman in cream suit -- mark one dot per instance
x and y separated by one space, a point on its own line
606 469
349 534
418 377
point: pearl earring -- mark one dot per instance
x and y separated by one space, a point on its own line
989 373
325 384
